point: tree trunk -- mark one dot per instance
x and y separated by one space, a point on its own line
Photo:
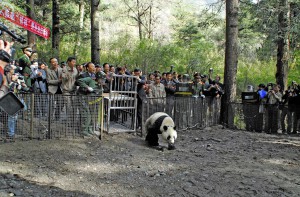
95 25
231 61
282 45
55 28
30 13
150 35
81 20
294 14
139 19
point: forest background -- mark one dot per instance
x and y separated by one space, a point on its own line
155 34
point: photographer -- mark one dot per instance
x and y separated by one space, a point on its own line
294 105
4 60
16 85
273 98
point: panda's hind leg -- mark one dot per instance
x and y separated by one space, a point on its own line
152 139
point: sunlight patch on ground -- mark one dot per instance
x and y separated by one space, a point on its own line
282 162
282 141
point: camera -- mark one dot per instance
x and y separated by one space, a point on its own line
270 86
16 37
20 77
4 56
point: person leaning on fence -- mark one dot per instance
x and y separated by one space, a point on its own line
69 76
88 87
198 87
170 88
274 96
108 77
54 79
157 94
141 96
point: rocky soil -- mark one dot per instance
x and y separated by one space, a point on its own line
210 162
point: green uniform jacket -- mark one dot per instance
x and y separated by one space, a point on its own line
86 82
24 62
27 73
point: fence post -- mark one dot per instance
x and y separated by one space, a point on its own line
31 115
48 135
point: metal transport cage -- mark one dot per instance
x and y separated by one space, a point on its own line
120 104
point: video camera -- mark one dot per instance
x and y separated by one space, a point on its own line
13 34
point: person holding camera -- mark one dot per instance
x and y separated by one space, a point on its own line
274 96
294 105
5 50
16 85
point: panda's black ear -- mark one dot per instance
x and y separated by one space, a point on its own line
165 128
174 127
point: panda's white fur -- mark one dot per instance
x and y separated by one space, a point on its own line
160 123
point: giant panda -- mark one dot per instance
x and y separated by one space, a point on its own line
160 123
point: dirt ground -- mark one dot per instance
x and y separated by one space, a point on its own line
210 162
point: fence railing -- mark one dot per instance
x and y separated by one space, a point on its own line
187 112
49 116
68 116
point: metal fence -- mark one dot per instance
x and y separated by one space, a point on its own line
187 112
48 116
69 116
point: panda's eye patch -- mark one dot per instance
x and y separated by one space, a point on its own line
169 137
165 128
174 127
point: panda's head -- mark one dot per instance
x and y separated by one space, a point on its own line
168 130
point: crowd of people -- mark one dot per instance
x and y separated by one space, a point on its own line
27 75
274 109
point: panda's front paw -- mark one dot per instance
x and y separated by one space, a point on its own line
171 147
153 144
